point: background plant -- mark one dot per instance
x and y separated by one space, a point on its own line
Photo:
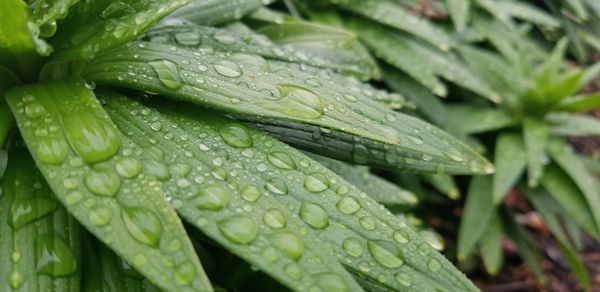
125 126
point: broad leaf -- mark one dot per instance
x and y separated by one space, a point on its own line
213 12
40 246
252 193
47 12
510 159
97 176
478 213
246 86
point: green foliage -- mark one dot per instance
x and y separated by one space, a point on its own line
125 118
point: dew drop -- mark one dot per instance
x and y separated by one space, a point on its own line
27 210
250 193
52 150
281 160
316 182
213 197
331 282
400 236
403 279
276 186
348 205
385 253
293 271
274 218
185 273
224 37
34 110
360 154
239 229
128 167
290 244
314 215
156 169
368 222
188 38
296 101
433 265
236 135
353 247
228 68
142 224
100 216
94 138
54 257
16 279
103 183
168 73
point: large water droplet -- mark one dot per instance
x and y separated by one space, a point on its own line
239 229
314 215
274 218
185 273
16 279
157 169
128 167
250 193
360 154
368 222
34 110
224 37
103 182
25 211
168 73
100 216
52 150
348 205
293 271
290 244
316 182
281 160
403 279
188 38
331 282
236 135
276 186
94 138
400 236
353 247
228 68
143 225
296 101
385 253
433 265
213 197
54 257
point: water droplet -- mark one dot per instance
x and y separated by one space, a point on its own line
276 186
27 210
353 247
360 154
368 222
156 169
219 173
185 273
250 193
224 37
16 279
103 182
400 236
239 229
274 218
52 150
290 244
94 138
348 205
142 224
213 197
270 254
228 68
403 279
390 117
281 160
385 253
54 257
330 282
73 197
296 101
236 135
34 110
100 216
350 97
168 73
139 260
433 265
316 182
188 38
293 271
128 167
314 215
415 140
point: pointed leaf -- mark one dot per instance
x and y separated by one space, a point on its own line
490 246
510 159
477 215
459 12
96 175
525 246
213 12
535 136
445 184
565 124
582 102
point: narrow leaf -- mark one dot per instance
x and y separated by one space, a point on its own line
213 12
445 184
535 136
510 159
477 215
96 175
490 246
459 12
565 124
469 119
525 246
582 102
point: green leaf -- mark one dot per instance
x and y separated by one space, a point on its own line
525 245
563 86
579 8
95 173
550 68
566 124
535 136
394 15
249 188
505 10
445 184
548 209
341 59
469 119
510 159
563 155
379 189
40 244
97 26
103 270
477 215
19 42
490 246
213 12
565 191
300 98
459 12
47 12
582 102
405 53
